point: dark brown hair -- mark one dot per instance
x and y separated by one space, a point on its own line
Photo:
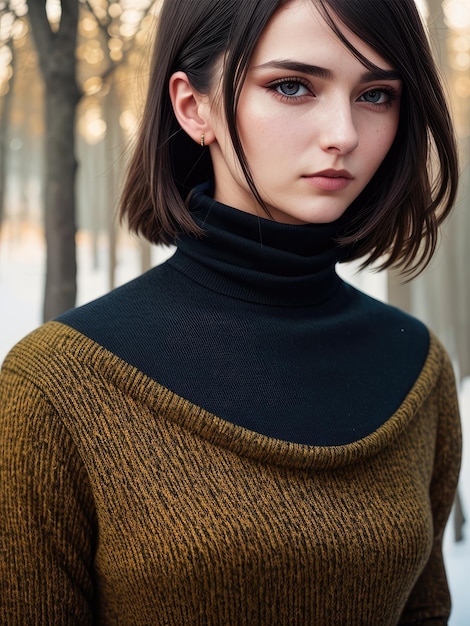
400 210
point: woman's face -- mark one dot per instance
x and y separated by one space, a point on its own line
314 123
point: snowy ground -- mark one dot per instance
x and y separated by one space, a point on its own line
21 287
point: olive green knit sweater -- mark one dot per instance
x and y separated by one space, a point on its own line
121 503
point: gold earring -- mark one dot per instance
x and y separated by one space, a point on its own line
203 140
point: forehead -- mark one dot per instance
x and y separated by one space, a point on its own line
298 28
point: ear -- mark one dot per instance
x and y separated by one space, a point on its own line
189 107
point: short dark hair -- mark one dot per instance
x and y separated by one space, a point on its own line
399 212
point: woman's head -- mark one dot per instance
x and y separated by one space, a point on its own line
314 123
214 43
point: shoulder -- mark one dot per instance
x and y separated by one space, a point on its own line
127 313
381 324
47 354
441 369
62 364
58 371
120 303
367 305
138 321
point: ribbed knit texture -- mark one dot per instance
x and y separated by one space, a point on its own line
122 503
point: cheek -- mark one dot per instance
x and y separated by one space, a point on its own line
271 138
380 142
390 132
258 142
264 127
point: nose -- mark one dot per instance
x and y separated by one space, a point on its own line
339 133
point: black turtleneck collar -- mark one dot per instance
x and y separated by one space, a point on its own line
320 364
257 259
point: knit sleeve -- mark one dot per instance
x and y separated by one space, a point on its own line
430 602
46 512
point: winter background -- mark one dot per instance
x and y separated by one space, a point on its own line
22 257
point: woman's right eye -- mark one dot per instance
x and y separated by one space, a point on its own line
290 88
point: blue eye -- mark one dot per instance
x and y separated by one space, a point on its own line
291 88
375 96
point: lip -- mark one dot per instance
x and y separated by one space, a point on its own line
330 180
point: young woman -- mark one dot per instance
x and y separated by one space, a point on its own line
238 437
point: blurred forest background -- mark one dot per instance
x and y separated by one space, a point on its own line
72 82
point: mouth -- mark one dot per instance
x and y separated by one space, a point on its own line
331 173
330 180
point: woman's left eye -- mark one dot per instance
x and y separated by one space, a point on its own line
375 96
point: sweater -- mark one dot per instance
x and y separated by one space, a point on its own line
124 502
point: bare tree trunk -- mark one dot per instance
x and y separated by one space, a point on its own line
56 52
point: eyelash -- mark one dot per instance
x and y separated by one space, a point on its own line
285 81
388 91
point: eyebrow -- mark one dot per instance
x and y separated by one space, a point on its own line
321 72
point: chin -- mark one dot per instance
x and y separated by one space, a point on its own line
322 216
322 211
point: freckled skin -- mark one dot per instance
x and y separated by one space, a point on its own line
307 124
